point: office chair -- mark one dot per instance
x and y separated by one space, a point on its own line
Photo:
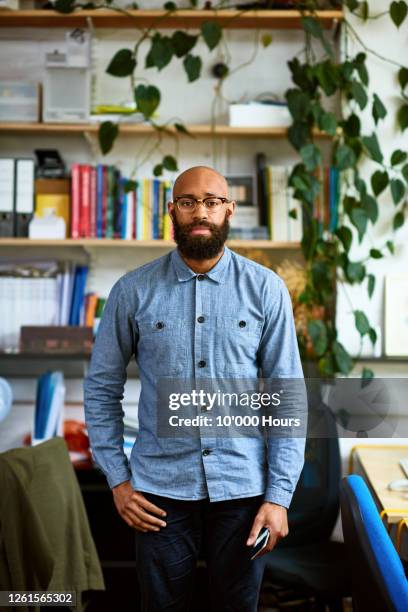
306 561
378 578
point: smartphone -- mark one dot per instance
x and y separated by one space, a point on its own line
261 542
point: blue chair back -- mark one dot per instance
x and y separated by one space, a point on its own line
378 578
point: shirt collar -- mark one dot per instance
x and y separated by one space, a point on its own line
217 273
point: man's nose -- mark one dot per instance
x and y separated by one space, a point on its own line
201 211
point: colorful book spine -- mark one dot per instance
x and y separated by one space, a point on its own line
75 201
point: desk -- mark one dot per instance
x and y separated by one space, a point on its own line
379 465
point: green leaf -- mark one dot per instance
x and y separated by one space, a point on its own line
182 43
122 64
359 219
402 117
361 322
390 246
318 334
158 170
212 34
372 147
328 123
170 163
170 6
293 213
346 236
352 4
379 111
311 26
183 130
405 172
130 186
371 207
298 103
362 71
398 157
266 40
147 99
343 359
160 53
359 94
327 75
192 65
352 126
107 135
367 374
298 134
376 254
64 6
398 220
398 12
370 284
311 156
363 10
379 182
397 190
355 271
403 77
372 335
345 157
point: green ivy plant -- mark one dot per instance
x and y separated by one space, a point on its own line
327 253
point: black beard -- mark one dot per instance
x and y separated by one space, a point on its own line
200 247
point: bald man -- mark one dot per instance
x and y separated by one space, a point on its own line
201 311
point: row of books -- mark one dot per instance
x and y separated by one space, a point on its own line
279 201
49 407
103 207
58 299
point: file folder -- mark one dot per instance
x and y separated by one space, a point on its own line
24 196
7 170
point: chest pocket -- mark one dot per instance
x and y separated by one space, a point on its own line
237 340
162 346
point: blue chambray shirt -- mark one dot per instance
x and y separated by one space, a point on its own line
179 323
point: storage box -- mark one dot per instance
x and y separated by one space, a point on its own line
55 194
56 339
19 102
256 114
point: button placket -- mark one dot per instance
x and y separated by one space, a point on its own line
199 358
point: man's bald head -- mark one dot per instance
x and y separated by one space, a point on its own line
200 180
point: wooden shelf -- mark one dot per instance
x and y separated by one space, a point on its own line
102 18
145 129
135 244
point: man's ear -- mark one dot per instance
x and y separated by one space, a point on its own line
229 211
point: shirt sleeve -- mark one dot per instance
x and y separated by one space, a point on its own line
278 356
114 345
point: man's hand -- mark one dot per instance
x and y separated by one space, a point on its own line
135 509
276 519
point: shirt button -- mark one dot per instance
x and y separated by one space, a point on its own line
159 324
201 363
201 319
203 408
206 452
242 323
200 277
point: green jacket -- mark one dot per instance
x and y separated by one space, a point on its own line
45 538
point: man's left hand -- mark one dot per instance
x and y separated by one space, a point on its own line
275 518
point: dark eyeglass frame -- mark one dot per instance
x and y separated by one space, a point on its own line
197 200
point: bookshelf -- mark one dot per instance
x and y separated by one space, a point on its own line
103 18
136 244
144 129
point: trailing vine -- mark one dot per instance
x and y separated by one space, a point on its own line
327 252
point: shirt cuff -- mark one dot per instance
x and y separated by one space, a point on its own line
117 477
275 495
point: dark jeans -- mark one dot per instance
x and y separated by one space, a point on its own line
167 559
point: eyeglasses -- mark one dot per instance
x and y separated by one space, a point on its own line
212 204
